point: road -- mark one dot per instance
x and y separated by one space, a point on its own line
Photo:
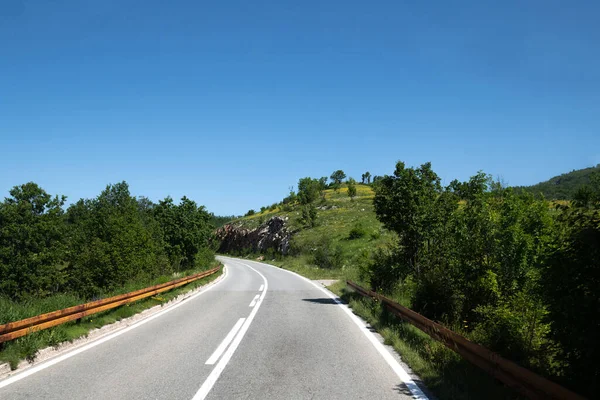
259 333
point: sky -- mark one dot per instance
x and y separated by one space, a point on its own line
231 102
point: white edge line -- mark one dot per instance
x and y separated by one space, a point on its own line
216 372
32 370
254 300
417 393
221 348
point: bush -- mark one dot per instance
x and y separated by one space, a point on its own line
309 216
328 255
511 333
375 235
357 232
205 258
384 272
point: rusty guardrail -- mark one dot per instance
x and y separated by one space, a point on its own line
511 374
13 330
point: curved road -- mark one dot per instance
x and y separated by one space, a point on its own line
259 333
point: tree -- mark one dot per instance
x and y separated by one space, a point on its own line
351 189
290 199
32 242
250 213
112 242
404 203
186 230
308 190
322 186
570 282
337 177
366 178
309 215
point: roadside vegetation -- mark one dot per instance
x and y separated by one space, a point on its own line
52 258
506 268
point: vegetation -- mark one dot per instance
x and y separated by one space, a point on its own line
218 221
351 184
51 258
564 186
504 267
337 177
366 178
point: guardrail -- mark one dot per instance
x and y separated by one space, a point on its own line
522 380
16 329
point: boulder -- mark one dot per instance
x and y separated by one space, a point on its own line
273 234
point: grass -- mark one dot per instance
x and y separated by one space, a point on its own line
443 371
27 347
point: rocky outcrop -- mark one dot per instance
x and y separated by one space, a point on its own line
273 234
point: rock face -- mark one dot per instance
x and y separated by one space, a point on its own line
273 234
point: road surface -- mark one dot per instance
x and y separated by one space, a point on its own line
259 333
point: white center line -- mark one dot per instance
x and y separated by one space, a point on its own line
215 356
261 288
216 372
254 300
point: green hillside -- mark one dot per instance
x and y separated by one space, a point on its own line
564 186
345 234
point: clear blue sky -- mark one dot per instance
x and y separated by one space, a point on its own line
230 102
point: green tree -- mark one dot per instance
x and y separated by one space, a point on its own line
308 190
322 187
570 282
351 189
186 230
405 204
291 198
309 215
337 177
366 178
32 242
112 242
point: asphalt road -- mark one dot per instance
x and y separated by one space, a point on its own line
260 333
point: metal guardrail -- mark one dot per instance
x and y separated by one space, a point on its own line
512 375
16 329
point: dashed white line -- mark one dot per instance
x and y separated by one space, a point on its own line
216 372
254 300
261 288
215 356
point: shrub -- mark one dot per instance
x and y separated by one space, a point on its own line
309 216
357 232
327 255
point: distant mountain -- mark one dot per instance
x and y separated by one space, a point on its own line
564 186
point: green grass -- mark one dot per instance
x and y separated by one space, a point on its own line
442 371
26 347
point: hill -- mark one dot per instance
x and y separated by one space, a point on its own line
564 186
345 234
